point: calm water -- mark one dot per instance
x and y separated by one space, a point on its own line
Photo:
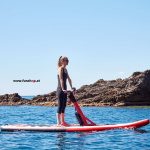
112 139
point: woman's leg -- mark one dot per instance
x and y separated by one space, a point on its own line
60 104
63 109
58 118
62 118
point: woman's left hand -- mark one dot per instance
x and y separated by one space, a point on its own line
65 91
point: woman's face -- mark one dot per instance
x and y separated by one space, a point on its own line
65 61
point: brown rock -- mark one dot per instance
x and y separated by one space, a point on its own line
132 91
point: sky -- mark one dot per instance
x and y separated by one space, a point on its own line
103 39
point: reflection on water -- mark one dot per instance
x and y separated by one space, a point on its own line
141 131
65 140
60 141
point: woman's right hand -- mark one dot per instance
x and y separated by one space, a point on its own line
65 91
73 89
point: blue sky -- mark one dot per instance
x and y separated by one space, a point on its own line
103 39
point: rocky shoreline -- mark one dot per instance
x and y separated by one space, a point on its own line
132 91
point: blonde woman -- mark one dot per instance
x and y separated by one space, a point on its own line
62 74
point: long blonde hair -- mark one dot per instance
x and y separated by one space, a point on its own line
60 60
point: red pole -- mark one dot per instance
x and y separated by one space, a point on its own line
72 98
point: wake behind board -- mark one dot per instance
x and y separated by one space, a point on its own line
73 128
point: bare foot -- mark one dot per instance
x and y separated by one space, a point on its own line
64 124
57 125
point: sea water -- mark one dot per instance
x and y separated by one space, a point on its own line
109 140
27 97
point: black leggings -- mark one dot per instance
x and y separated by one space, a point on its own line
62 99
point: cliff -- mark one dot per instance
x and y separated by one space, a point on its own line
132 91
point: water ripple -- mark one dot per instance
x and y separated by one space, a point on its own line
112 139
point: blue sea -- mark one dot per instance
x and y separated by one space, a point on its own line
138 139
27 97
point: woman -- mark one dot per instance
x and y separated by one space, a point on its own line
62 89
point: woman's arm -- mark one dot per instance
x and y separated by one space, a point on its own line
69 80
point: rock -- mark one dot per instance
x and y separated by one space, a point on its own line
135 74
132 91
12 99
